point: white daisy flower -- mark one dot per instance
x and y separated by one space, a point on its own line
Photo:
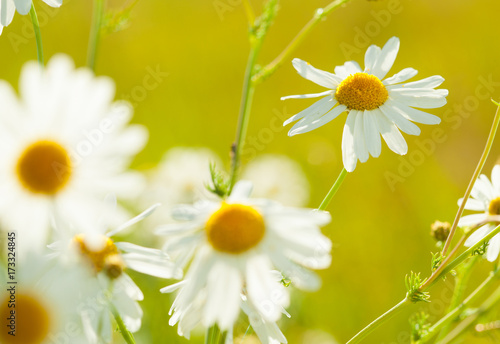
485 197
236 243
8 8
37 305
279 178
375 106
64 145
98 264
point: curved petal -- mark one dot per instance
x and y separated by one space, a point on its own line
493 248
371 56
395 141
304 127
386 58
402 76
322 106
315 75
348 154
401 122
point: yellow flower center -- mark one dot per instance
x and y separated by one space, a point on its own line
106 257
44 167
31 319
361 91
235 228
494 207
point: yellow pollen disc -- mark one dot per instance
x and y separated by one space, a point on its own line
361 91
494 207
235 228
44 167
98 259
32 320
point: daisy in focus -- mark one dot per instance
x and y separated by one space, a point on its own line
9 7
485 197
375 106
236 243
98 270
279 178
44 304
64 145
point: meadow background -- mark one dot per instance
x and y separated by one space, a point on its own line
380 229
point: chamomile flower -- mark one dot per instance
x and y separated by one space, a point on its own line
37 304
279 178
64 145
99 273
8 8
485 197
375 106
236 243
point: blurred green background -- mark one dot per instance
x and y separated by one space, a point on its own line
380 229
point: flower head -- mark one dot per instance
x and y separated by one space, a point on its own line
236 243
485 197
64 145
375 106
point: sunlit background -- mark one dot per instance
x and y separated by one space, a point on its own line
181 64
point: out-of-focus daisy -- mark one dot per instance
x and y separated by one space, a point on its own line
43 304
8 8
485 197
180 177
279 178
236 243
99 265
375 106
64 145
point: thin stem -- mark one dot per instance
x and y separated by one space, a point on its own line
215 335
129 338
319 15
335 187
379 321
249 12
479 167
95 33
461 281
38 34
244 116
451 316
485 307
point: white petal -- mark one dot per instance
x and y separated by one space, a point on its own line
53 3
371 57
372 135
134 220
402 76
306 126
322 106
430 82
395 141
153 265
429 101
23 6
478 235
414 114
349 68
7 10
401 122
386 58
242 190
307 96
315 75
348 154
301 277
472 220
493 248
473 204
359 138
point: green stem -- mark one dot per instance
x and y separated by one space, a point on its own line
485 307
244 116
95 33
335 187
215 336
319 15
129 338
38 34
479 167
461 281
377 322
451 316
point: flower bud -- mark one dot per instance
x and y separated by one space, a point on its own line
114 266
440 230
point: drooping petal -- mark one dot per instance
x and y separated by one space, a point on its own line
372 135
348 153
319 108
401 122
306 126
391 134
359 138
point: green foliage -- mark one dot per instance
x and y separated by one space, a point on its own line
413 283
437 259
419 326
264 22
219 182
481 249
118 20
